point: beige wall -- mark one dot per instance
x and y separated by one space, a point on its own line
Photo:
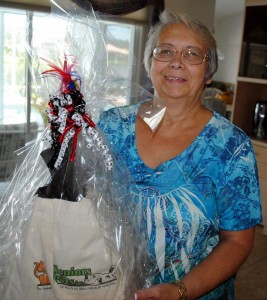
202 10
141 15
31 2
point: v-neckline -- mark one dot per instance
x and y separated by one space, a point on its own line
182 153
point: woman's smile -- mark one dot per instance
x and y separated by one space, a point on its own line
175 79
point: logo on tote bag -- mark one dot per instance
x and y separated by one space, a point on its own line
40 273
99 278
83 277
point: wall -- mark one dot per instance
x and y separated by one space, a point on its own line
228 34
41 5
31 2
141 15
203 10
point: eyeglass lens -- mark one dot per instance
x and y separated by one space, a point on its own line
189 56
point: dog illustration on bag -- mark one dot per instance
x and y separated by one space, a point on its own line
40 273
99 278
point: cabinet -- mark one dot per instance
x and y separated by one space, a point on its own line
251 85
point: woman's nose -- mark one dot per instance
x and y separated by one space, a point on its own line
177 60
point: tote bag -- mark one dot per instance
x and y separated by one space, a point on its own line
63 255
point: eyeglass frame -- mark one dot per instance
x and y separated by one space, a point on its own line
204 56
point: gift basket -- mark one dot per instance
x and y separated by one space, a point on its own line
65 230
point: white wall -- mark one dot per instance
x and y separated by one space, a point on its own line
203 10
228 34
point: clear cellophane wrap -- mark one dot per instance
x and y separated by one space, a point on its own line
65 230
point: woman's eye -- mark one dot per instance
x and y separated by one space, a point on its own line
166 52
192 53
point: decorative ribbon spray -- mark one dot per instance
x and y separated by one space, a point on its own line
68 117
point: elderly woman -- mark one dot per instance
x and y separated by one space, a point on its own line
195 170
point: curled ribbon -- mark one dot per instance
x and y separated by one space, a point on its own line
68 117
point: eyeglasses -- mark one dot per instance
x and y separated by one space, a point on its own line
188 56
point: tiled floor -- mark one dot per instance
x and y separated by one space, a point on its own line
251 280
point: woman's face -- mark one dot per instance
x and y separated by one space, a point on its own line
174 79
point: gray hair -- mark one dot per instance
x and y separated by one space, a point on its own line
167 18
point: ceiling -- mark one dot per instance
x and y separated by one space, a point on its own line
228 8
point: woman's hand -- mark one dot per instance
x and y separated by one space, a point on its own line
159 292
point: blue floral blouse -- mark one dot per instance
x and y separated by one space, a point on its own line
211 185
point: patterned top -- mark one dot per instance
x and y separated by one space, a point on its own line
211 185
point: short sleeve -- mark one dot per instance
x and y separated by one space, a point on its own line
239 199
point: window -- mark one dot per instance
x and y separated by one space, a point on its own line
21 107
12 84
19 102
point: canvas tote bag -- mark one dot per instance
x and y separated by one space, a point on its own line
63 255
